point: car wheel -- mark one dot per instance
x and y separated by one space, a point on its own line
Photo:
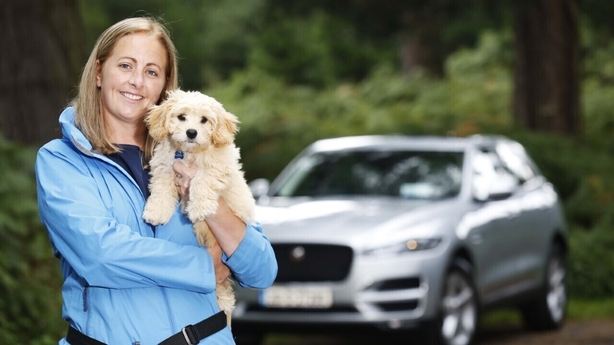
548 310
458 318
249 338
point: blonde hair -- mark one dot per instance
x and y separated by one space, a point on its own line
88 104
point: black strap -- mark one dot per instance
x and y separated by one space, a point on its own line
75 337
193 334
189 335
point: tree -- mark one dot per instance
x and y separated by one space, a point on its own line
42 42
547 95
424 32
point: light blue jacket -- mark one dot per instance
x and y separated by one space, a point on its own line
123 282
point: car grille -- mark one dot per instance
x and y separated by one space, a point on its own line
397 284
398 306
312 262
335 309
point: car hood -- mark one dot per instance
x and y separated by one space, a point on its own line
357 221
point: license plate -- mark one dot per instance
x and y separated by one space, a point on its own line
297 297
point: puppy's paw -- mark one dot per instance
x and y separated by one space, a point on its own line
196 216
198 212
155 216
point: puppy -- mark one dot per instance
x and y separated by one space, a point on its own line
197 128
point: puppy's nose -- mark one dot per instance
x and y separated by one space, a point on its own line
191 133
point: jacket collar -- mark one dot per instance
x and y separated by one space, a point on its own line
72 133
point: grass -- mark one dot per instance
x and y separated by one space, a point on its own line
577 310
591 309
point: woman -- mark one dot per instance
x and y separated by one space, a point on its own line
126 282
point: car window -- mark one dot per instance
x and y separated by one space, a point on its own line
406 174
489 173
514 157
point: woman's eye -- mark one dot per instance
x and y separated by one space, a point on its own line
203 120
152 73
124 66
181 117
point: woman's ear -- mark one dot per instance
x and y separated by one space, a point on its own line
158 118
98 74
226 128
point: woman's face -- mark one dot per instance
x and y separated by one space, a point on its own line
131 79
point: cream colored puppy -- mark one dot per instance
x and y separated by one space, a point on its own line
197 128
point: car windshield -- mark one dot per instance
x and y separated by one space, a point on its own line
405 174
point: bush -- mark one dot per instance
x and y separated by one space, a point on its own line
592 261
30 308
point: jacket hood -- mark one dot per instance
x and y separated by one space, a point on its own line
72 133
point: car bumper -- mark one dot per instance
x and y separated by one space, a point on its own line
388 292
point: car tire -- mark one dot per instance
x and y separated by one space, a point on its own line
457 322
547 311
249 338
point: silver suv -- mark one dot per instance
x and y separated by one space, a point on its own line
400 232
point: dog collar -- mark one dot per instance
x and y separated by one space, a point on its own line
178 154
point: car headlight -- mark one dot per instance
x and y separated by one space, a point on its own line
411 245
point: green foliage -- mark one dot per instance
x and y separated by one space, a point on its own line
598 91
211 36
318 50
279 120
578 309
592 260
29 275
583 309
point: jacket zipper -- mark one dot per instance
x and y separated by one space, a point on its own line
86 307
85 304
168 309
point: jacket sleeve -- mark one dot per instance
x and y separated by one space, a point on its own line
105 253
253 263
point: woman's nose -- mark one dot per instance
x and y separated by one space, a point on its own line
136 79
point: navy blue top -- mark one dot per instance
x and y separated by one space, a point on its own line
131 159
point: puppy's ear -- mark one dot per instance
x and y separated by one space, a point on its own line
226 128
158 117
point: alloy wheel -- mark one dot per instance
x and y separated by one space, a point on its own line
459 314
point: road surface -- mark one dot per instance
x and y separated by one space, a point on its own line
592 332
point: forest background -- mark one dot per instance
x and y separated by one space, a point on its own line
293 71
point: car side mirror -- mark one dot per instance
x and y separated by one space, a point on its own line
502 188
494 188
259 187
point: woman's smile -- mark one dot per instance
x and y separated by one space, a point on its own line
132 96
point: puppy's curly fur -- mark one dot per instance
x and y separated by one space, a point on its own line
198 126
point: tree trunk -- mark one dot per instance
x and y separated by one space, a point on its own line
410 53
419 37
43 45
547 96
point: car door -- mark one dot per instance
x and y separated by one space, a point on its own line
534 222
493 237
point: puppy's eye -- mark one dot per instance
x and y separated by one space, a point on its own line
203 120
181 117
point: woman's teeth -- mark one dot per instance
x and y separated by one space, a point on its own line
131 96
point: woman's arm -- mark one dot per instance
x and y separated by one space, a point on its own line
248 252
80 205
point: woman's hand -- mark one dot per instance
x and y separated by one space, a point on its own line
227 228
184 173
